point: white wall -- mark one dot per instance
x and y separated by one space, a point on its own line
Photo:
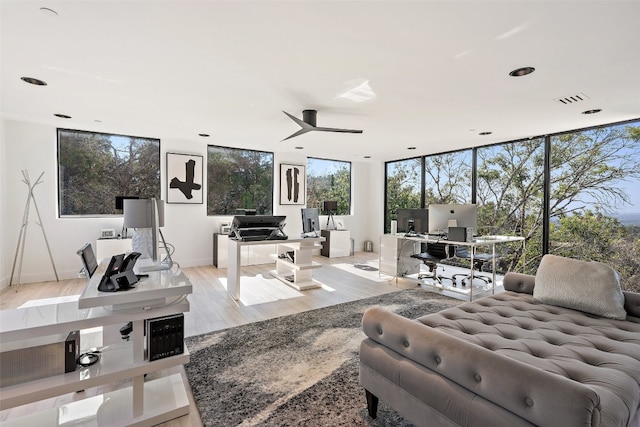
33 147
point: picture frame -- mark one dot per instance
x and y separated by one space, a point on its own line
185 178
293 184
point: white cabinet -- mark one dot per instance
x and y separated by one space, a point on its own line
295 265
249 255
142 403
395 255
337 243
106 248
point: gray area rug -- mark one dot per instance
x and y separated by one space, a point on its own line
297 370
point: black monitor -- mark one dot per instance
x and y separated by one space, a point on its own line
441 217
89 261
413 220
120 201
310 220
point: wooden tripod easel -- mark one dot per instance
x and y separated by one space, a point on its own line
23 229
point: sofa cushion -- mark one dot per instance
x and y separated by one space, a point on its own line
588 286
600 353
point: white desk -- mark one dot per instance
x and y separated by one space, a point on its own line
405 246
296 274
142 403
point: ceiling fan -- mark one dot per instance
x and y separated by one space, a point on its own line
308 124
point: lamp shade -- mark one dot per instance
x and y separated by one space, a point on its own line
139 213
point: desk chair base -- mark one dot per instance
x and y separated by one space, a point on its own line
467 279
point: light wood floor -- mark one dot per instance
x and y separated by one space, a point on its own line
262 297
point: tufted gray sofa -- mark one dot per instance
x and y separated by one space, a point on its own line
505 360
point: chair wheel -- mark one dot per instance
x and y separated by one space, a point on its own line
464 283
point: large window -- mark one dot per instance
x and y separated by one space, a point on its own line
448 178
403 183
329 180
591 210
510 199
239 179
94 168
594 201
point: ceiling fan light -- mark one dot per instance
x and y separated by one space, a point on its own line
33 81
519 72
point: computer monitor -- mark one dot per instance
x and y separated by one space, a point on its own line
89 261
441 217
413 220
120 201
310 220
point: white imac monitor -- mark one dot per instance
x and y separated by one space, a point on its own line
441 217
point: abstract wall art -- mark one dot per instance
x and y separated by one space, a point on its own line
184 178
293 188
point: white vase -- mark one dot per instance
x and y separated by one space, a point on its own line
142 242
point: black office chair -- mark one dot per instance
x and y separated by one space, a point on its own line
89 263
431 254
479 260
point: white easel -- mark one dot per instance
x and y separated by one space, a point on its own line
23 229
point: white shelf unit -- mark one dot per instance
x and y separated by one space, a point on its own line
141 404
297 273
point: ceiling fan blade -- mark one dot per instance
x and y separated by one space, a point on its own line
300 132
338 130
310 116
302 124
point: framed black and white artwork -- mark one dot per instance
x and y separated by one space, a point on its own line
184 178
293 179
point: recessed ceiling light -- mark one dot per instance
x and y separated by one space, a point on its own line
594 111
48 12
98 121
518 72
485 133
204 135
411 148
33 81
367 157
62 116
299 148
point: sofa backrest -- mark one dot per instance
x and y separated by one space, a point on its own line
524 283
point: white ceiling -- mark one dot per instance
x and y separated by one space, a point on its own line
439 69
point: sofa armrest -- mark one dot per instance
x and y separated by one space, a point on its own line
518 282
529 392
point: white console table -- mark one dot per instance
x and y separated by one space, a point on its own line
296 273
142 403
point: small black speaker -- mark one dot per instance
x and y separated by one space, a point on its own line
457 234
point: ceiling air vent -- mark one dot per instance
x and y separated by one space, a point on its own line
572 99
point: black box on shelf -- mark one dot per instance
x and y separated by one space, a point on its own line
37 358
165 336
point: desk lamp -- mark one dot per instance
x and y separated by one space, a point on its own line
146 216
